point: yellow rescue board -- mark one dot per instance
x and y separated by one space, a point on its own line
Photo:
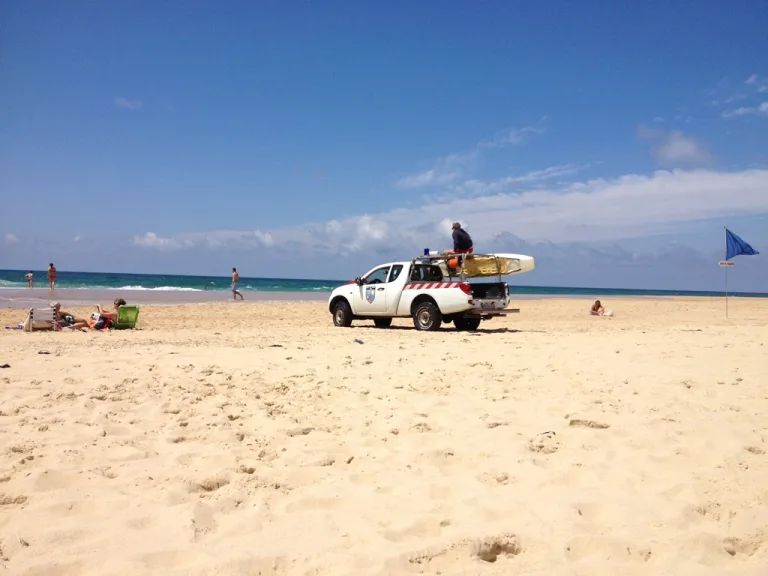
488 265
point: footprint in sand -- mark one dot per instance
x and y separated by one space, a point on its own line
494 478
487 550
7 500
743 548
544 443
588 424
209 484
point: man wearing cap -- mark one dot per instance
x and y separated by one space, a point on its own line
67 320
462 243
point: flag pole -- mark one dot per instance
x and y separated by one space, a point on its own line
725 238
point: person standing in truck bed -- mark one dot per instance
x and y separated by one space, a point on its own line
462 242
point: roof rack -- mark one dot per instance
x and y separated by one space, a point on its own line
451 255
463 257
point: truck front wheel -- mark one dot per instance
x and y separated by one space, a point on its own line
427 316
342 314
467 323
382 322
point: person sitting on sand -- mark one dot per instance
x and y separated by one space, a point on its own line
67 320
106 317
598 310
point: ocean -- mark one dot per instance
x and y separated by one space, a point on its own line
165 283
161 282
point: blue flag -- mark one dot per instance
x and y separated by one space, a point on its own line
734 246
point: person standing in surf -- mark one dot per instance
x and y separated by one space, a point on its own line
235 282
52 276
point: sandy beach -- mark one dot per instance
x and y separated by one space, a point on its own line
257 438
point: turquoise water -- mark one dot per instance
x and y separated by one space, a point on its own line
14 279
165 282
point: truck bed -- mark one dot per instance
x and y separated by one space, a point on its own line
489 290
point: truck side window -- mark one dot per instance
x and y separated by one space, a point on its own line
377 276
396 269
417 274
435 274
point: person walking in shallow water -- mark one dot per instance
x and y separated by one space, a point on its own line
30 276
235 282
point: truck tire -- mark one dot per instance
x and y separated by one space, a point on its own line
427 316
382 322
470 324
342 314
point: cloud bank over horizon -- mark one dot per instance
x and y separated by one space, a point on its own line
579 229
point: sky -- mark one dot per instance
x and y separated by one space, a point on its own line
305 139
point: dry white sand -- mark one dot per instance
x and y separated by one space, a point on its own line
258 439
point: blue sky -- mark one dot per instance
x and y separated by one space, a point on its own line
315 139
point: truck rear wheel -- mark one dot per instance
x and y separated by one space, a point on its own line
427 316
467 323
342 314
382 322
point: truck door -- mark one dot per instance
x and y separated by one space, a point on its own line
371 295
394 290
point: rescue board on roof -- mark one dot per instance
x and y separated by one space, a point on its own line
488 265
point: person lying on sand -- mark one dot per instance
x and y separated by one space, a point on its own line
67 320
106 317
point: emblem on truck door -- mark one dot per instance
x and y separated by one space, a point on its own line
370 295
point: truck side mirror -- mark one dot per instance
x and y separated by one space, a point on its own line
359 281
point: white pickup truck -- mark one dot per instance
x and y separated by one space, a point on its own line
429 291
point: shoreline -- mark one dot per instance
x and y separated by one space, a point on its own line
80 298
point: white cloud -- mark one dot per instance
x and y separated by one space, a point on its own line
752 79
11 238
631 206
152 240
213 239
450 168
128 103
759 110
483 188
514 137
77 239
444 171
673 149
332 227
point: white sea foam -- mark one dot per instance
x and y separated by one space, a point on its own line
159 288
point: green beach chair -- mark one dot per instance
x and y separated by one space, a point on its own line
126 318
